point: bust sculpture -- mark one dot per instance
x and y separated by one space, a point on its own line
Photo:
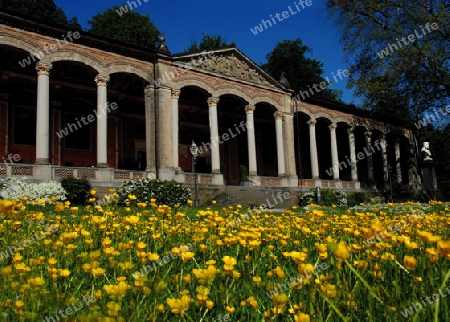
426 152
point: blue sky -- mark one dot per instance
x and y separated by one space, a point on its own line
184 21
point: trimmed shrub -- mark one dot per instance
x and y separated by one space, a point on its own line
165 192
78 190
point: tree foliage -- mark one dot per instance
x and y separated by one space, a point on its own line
209 42
289 58
43 9
396 57
127 26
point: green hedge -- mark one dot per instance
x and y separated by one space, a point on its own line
78 190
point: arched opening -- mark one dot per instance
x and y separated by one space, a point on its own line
343 145
302 148
266 141
233 138
193 120
324 148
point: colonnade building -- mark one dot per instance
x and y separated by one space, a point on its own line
73 104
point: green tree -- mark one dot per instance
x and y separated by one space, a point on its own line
288 59
124 25
43 9
398 52
209 42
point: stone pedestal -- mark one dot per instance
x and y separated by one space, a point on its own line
429 179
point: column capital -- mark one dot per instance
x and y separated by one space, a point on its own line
332 126
175 93
351 130
311 122
43 69
249 109
382 137
213 101
149 90
368 134
101 80
278 115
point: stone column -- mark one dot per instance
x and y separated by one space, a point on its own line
398 164
175 97
42 113
383 144
214 134
102 121
334 151
149 102
280 145
370 176
313 149
289 146
252 167
351 140
163 125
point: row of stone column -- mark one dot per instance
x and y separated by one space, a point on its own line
42 116
42 134
351 138
214 134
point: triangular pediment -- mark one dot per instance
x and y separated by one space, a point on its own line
229 62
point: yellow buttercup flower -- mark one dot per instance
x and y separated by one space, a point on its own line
410 263
187 256
179 306
7 206
59 207
229 264
443 247
341 251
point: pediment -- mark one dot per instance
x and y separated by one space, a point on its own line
231 62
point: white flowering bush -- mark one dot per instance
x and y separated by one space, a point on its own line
341 198
16 188
328 197
307 198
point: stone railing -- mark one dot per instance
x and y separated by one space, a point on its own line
201 178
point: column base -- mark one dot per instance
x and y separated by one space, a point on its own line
166 173
42 161
102 165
